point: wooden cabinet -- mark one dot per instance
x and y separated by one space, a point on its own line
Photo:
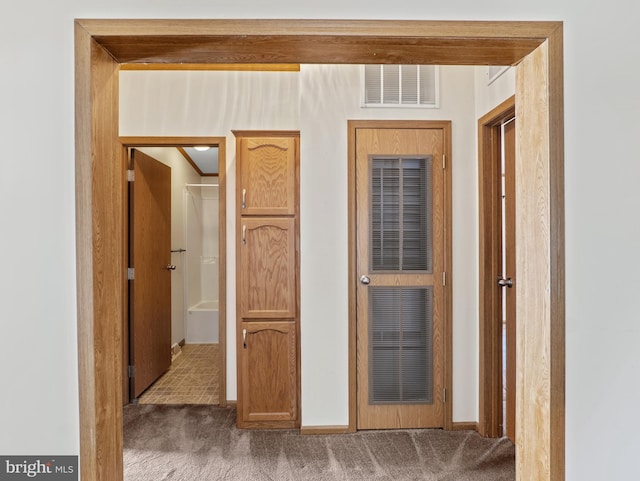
267 175
268 280
268 363
268 268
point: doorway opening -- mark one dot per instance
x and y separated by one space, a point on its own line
497 270
197 262
536 49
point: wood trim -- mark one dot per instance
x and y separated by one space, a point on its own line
445 126
100 259
541 445
253 67
540 314
317 41
353 273
178 142
489 224
190 160
186 155
319 430
266 133
448 268
464 426
155 141
222 269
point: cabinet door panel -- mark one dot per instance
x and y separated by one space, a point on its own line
268 268
269 374
267 173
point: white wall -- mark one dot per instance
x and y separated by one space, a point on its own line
181 173
330 95
211 104
37 287
490 95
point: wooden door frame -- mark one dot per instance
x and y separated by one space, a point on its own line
536 48
352 126
489 259
220 142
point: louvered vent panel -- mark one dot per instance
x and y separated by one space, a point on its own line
391 84
372 84
401 85
400 345
401 220
409 78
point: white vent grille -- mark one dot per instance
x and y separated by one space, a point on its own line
401 86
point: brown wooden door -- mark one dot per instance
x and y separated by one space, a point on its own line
149 255
509 256
267 175
400 297
268 268
268 368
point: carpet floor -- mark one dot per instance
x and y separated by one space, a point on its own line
201 443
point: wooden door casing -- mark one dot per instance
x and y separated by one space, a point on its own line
401 141
268 268
268 358
150 290
509 143
267 175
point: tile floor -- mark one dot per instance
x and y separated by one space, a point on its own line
192 378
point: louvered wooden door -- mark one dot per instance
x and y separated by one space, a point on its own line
400 295
268 292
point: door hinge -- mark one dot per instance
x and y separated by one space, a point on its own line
131 175
444 161
444 395
130 273
444 278
132 371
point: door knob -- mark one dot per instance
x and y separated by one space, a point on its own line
502 282
170 267
365 280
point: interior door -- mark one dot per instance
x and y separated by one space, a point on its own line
149 255
509 274
400 183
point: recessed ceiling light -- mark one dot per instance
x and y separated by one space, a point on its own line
202 148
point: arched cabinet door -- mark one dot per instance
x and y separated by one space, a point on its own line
268 370
267 175
267 268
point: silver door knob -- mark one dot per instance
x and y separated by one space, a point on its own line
502 282
170 267
365 280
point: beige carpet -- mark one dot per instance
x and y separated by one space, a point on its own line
201 443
